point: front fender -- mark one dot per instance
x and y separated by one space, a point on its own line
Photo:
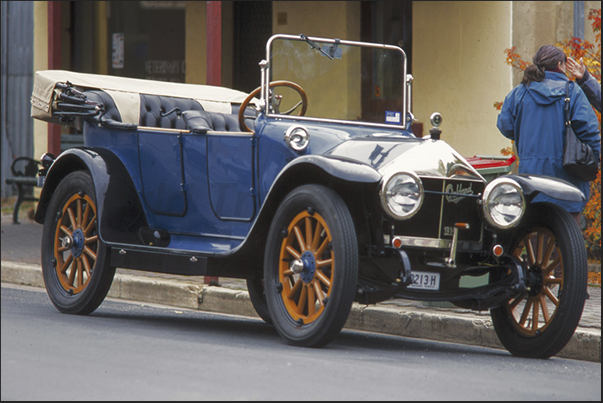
553 187
118 205
349 171
318 169
340 175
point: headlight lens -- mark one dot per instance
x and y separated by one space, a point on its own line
503 203
402 195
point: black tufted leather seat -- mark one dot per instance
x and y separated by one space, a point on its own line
203 121
153 107
170 113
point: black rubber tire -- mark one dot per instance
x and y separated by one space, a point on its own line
559 264
327 228
257 295
83 284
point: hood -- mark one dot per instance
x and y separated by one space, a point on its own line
427 158
550 90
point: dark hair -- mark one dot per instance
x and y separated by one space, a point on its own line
546 58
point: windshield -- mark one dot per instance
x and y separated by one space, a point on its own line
340 80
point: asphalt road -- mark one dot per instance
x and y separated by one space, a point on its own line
130 351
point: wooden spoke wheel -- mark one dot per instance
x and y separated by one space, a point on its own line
539 322
306 266
533 312
74 262
311 266
76 243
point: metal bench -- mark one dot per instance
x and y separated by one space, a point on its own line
24 172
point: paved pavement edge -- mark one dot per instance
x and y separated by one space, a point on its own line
401 321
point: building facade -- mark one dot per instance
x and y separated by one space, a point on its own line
455 48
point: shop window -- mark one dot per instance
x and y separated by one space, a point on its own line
146 40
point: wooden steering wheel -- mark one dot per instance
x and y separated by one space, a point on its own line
282 83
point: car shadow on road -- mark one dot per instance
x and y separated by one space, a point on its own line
181 323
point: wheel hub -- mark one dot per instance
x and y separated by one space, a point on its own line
534 280
77 243
309 269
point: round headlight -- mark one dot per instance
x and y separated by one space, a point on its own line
503 203
402 195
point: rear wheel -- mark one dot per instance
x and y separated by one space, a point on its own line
75 267
311 266
540 322
257 295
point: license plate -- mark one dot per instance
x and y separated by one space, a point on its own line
425 280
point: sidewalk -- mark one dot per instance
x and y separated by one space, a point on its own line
21 265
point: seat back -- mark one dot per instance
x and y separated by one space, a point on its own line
154 111
203 121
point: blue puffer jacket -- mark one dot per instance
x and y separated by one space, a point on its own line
535 115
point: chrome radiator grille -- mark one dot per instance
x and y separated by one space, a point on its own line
447 202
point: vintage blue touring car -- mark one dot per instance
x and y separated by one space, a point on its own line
313 188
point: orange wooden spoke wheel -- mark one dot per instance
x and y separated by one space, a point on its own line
311 266
549 251
75 261
306 266
533 311
76 243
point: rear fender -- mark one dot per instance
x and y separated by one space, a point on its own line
118 205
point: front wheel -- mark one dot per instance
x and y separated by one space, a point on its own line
75 264
311 266
541 321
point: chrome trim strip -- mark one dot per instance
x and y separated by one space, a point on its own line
420 242
162 129
345 122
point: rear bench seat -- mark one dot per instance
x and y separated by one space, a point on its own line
170 113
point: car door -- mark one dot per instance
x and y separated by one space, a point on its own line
161 167
231 167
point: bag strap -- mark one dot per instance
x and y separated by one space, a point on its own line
568 122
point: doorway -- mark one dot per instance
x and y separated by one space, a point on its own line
253 28
390 23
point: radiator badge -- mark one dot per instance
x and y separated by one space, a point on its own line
455 193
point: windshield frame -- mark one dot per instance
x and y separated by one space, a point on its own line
406 80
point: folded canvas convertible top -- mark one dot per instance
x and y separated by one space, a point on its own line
125 93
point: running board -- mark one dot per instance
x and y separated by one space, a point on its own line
159 261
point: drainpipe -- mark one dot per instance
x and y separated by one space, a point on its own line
579 19
54 62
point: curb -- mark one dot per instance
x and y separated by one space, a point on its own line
404 321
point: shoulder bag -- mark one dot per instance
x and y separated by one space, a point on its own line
578 158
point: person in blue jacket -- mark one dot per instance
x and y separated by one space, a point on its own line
533 116
590 86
